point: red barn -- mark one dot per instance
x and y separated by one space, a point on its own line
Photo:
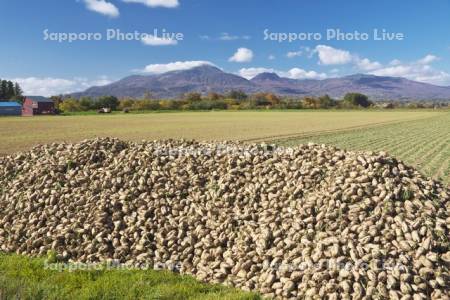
37 105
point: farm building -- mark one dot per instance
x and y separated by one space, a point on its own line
36 105
10 108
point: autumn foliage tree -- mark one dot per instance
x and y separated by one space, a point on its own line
214 96
192 97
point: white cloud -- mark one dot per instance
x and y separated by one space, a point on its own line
332 56
419 70
429 58
49 86
242 55
294 73
151 40
366 64
249 73
292 54
297 73
103 7
156 3
271 57
99 81
174 66
398 70
395 62
334 73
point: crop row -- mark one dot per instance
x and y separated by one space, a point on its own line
424 143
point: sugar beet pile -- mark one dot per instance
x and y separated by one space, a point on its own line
304 222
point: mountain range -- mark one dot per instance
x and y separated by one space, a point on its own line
208 78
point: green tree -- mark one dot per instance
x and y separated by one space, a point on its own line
237 95
356 99
171 104
86 103
126 103
10 90
207 105
17 90
70 105
18 93
57 100
261 99
292 104
3 90
107 102
146 104
326 102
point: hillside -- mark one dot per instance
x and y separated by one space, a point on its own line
206 79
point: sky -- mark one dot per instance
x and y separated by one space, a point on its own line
293 38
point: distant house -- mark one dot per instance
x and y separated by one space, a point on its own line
10 108
37 105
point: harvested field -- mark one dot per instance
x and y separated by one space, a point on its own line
18 134
305 222
424 144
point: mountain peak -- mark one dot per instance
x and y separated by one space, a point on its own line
370 78
206 68
209 78
266 76
359 75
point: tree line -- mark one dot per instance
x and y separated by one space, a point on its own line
85 103
10 91
234 100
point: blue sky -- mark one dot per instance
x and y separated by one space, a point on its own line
229 34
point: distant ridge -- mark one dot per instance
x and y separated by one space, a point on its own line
208 78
